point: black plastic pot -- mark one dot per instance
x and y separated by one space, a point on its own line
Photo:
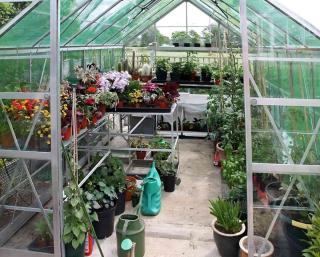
176 44
206 77
121 203
104 227
196 44
175 76
71 252
296 237
161 75
187 44
135 199
227 244
207 44
169 183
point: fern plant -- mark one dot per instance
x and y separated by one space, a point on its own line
227 214
314 235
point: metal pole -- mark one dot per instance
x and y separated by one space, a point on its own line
56 160
247 107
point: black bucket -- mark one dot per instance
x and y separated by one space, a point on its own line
105 226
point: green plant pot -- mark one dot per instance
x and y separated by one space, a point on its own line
71 252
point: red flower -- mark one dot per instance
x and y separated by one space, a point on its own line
90 101
91 90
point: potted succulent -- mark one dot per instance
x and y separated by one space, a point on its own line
44 239
115 176
139 143
206 73
102 201
176 69
107 99
167 171
258 242
145 72
162 67
76 224
227 226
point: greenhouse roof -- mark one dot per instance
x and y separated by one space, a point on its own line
89 23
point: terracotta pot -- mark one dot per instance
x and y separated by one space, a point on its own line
219 155
141 155
84 123
131 181
193 75
163 105
217 82
268 252
94 120
67 134
102 108
135 76
120 104
6 140
146 78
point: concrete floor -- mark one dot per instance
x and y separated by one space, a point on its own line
183 226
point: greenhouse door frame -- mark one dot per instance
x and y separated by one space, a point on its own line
296 170
54 156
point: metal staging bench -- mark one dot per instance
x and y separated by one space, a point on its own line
126 131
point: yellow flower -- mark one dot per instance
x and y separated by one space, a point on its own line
48 142
41 135
49 136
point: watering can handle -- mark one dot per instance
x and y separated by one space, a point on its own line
125 227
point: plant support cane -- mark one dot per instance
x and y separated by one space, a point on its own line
74 174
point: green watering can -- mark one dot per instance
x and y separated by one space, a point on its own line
151 195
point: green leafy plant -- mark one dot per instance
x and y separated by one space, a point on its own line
166 168
139 143
76 224
100 196
110 99
160 143
227 214
114 174
234 168
206 73
314 235
162 65
42 229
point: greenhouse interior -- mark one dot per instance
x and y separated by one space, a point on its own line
159 128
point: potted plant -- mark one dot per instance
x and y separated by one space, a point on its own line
136 194
139 143
162 67
188 70
160 143
145 72
227 226
44 239
102 200
76 224
195 38
176 69
206 73
167 171
136 98
107 99
313 234
115 176
131 184
258 242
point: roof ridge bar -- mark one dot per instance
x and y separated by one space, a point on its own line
143 12
144 29
20 15
226 26
93 21
113 23
295 17
63 20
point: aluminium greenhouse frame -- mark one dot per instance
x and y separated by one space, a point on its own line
124 36
296 170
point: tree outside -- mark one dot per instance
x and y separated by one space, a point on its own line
10 10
